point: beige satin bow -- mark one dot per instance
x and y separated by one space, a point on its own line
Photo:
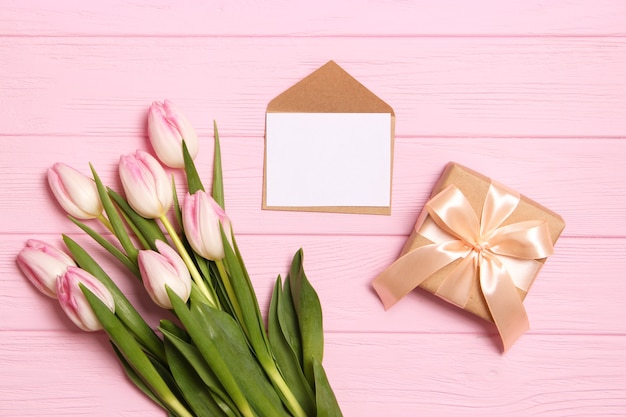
486 249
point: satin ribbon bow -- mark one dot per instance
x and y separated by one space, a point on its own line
486 249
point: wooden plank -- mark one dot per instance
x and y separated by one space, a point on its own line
580 289
372 375
70 373
321 18
438 87
577 178
408 375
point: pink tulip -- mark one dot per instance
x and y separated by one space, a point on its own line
167 127
75 192
42 264
164 268
146 184
202 217
73 301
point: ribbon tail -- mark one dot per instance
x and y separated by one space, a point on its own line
408 271
503 300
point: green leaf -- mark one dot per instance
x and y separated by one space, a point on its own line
133 353
288 320
193 356
194 391
225 302
327 405
148 228
244 366
309 312
114 218
177 211
193 179
135 378
201 368
253 324
245 298
286 358
207 338
174 330
218 183
112 249
124 309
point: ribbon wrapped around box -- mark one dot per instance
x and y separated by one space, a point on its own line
476 244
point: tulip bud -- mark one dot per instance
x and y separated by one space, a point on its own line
164 268
42 264
75 192
146 184
73 300
202 217
167 128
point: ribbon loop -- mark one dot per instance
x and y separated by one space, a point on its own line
481 244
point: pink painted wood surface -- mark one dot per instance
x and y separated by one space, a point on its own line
531 93
320 18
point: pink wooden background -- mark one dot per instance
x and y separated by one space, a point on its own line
532 93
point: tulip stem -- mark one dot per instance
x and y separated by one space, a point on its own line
106 223
282 386
178 408
195 274
231 294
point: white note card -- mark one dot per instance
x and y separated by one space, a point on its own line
328 159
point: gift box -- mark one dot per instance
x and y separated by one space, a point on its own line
478 245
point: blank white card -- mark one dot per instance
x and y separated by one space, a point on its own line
328 159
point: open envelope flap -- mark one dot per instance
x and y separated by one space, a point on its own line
330 89
328 146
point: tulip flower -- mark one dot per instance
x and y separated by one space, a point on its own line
42 264
146 184
202 217
161 269
167 128
73 301
75 192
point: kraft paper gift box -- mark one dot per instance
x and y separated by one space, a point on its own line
328 146
476 244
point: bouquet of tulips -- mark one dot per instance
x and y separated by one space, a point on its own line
218 358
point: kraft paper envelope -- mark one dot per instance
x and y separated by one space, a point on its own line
328 146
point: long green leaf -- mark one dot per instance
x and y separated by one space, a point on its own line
236 352
194 183
177 209
124 309
251 319
309 312
192 354
148 228
327 405
114 218
286 359
174 330
112 249
201 368
135 230
218 182
288 320
133 353
211 350
194 391
225 302
135 378
166 374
